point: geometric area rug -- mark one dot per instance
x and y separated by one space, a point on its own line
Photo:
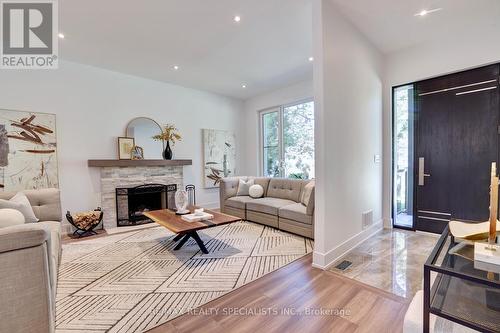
134 281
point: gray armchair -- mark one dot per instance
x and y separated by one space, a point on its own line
29 260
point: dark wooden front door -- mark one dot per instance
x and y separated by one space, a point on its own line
456 140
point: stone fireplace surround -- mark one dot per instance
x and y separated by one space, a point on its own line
131 173
132 176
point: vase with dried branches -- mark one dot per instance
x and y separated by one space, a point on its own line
170 133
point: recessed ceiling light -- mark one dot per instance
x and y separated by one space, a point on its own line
237 18
243 86
60 35
175 67
311 59
428 11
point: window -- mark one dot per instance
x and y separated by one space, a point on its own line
287 136
271 143
403 156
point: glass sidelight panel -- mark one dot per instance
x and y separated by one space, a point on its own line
403 113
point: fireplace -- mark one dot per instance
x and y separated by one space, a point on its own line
132 202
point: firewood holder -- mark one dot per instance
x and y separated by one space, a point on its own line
89 231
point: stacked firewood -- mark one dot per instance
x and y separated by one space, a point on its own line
87 220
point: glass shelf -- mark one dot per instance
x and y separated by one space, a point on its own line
463 291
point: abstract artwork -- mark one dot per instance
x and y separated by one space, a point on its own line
28 150
219 156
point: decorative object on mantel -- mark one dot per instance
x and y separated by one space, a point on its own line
125 146
85 222
170 133
181 202
137 153
28 150
142 129
168 154
219 151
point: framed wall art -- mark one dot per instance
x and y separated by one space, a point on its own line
125 146
28 150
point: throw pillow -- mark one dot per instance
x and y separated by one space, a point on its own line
21 203
10 217
256 191
306 193
244 187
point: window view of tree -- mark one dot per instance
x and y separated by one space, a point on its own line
403 156
401 99
288 141
298 140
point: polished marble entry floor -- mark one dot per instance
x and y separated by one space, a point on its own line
392 260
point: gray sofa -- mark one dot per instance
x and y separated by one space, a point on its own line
29 260
287 204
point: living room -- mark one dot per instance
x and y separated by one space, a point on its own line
287 124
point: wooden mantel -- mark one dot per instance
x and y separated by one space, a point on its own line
137 163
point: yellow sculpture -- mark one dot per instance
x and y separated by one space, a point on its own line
493 204
484 230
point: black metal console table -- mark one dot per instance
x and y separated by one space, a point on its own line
463 291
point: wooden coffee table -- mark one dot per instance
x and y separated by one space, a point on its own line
185 230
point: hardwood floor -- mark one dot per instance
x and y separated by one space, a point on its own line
347 305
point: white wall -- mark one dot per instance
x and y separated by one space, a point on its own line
348 113
297 92
93 107
423 62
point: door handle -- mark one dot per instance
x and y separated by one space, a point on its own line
421 171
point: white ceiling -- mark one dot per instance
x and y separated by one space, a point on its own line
268 49
391 24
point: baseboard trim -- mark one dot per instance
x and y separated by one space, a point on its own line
428 233
325 260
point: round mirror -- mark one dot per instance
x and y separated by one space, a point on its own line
143 129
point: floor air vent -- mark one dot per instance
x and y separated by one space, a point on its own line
343 265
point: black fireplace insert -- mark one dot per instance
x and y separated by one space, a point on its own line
132 202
